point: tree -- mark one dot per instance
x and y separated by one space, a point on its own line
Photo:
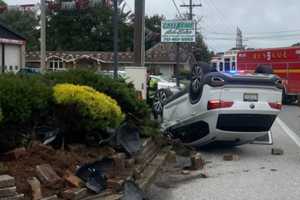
88 29
153 29
200 49
23 23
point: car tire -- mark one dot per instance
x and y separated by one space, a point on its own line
264 69
197 77
160 98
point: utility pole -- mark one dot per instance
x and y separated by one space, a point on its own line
139 33
43 36
116 37
191 6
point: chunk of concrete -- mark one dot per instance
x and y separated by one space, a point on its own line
7 181
46 174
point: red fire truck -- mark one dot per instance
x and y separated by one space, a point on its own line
285 62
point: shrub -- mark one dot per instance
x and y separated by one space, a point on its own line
101 111
22 99
122 92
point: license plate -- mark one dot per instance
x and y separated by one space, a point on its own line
250 97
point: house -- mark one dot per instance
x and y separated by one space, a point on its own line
12 50
160 59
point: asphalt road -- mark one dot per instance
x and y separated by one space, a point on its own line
257 175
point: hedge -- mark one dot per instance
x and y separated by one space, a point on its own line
99 109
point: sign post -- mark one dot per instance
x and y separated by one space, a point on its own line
178 31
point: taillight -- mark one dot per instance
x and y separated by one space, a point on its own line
217 104
276 106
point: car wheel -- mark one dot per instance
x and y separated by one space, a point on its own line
264 69
197 75
160 98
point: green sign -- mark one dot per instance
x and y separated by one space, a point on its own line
178 31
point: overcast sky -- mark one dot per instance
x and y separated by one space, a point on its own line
264 23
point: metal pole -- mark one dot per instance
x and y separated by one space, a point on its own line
139 33
116 37
191 10
177 64
43 36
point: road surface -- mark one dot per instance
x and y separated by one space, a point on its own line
257 175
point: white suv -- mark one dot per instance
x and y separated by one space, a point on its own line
231 108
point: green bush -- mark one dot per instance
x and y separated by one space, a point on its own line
23 98
24 101
122 92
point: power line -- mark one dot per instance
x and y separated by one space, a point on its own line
191 6
177 8
221 17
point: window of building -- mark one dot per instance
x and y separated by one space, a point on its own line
233 67
56 64
221 68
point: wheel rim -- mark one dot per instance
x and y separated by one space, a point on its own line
162 96
157 107
197 75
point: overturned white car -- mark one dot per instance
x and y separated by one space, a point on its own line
217 107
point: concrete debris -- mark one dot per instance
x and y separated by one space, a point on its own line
115 184
8 192
35 188
231 157
197 162
277 151
75 193
183 162
6 181
46 174
16 197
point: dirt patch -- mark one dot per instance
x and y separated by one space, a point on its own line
61 161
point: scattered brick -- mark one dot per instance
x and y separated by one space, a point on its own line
75 193
35 188
277 151
119 162
73 180
16 197
197 162
8 192
231 157
46 174
7 181
115 184
14 154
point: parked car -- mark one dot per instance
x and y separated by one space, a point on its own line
165 84
121 74
231 108
29 70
